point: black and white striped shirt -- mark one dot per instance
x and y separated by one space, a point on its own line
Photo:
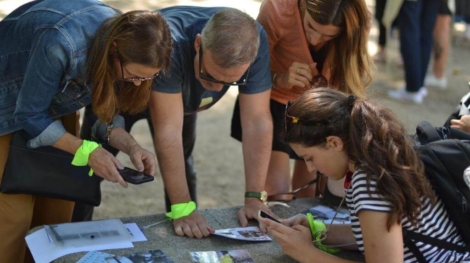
433 221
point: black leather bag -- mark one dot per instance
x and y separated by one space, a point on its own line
47 171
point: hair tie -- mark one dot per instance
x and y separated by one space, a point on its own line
351 100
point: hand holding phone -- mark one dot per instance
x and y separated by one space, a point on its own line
264 215
134 177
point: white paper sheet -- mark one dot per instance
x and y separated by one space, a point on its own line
44 251
135 231
326 214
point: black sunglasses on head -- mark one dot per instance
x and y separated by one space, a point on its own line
290 121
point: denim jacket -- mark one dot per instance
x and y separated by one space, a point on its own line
43 54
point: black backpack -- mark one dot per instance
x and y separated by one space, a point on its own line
446 154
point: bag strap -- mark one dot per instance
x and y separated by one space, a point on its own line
427 133
432 241
412 247
458 134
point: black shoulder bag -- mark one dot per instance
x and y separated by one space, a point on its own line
47 171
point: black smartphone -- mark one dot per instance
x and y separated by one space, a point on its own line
134 177
264 215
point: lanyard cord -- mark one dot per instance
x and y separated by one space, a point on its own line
323 233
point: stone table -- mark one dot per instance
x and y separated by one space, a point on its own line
177 248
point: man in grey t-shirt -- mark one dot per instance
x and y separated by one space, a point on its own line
214 48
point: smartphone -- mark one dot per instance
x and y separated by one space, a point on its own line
264 215
134 177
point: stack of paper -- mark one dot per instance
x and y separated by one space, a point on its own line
46 248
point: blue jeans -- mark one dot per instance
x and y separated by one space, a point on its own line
461 18
416 23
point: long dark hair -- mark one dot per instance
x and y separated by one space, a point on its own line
143 37
374 140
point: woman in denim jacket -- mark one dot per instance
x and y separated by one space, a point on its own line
56 57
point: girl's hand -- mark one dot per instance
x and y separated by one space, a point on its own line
295 241
299 219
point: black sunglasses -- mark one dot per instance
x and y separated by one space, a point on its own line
291 195
203 76
134 78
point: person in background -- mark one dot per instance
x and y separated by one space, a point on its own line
416 20
57 57
437 77
312 43
462 13
387 190
214 48
381 55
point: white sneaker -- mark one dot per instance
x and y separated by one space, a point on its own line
423 91
432 81
466 35
402 94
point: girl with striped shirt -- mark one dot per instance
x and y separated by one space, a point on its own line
386 189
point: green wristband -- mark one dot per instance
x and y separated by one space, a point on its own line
83 153
181 210
316 226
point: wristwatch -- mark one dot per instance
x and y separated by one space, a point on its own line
263 195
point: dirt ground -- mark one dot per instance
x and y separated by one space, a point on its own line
218 157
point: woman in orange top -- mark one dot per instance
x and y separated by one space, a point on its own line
308 38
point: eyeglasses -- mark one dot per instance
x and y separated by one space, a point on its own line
318 81
133 78
320 180
211 79
290 121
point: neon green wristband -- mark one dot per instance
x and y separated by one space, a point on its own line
316 226
83 153
181 210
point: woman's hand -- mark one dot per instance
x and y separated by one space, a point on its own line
298 75
143 160
105 165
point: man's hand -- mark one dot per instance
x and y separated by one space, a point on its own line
463 124
193 225
250 211
143 160
105 165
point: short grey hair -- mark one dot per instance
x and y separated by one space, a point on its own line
232 37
